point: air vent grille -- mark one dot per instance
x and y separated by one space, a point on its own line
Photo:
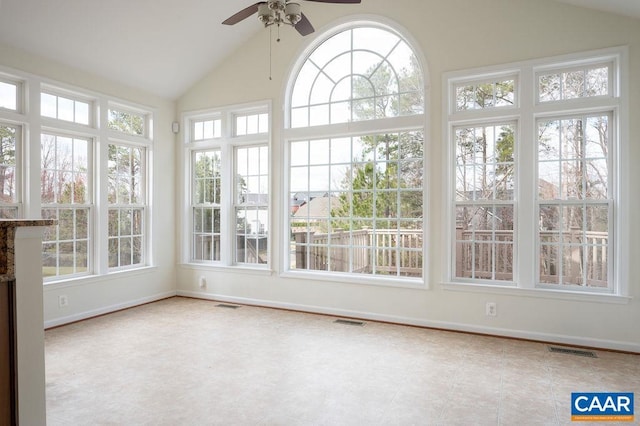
569 351
349 322
225 305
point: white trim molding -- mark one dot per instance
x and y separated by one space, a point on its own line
440 325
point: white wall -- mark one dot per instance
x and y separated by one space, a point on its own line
452 35
92 296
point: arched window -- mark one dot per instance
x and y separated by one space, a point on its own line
361 73
356 199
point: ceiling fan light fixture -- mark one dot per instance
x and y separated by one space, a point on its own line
292 13
276 4
266 14
277 12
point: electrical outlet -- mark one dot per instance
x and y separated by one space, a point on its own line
203 282
491 309
63 301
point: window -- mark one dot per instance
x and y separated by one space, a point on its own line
573 83
485 94
484 206
363 73
356 202
573 200
78 168
128 122
9 190
8 95
126 197
556 155
206 129
64 108
66 196
251 124
229 197
252 204
206 205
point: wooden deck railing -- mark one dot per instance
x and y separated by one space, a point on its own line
399 252
498 256
383 251
593 257
481 266
253 249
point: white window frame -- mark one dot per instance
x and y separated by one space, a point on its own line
489 202
194 205
400 123
527 113
73 96
251 205
143 206
578 66
144 114
216 128
18 175
261 116
562 203
227 144
481 80
19 85
88 205
27 117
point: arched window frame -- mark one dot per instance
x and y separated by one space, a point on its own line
353 129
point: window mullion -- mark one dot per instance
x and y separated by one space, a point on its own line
226 205
526 208
101 224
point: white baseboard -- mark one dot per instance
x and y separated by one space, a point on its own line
468 328
106 310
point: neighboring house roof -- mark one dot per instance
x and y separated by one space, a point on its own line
301 197
319 207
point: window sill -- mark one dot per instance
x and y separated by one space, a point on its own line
369 280
238 269
537 292
89 279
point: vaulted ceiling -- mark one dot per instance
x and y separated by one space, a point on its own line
161 46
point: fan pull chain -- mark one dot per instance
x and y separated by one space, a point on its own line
270 51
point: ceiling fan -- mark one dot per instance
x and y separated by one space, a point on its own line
281 12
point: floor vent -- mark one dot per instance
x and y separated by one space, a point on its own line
224 305
349 322
577 352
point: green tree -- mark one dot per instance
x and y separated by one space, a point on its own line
485 95
359 202
494 173
411 89
385 92
7 163
207 177
126 122
125 180
504 173
207 187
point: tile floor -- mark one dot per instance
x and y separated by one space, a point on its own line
188 362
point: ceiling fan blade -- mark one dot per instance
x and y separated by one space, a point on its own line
243 14
338 1
304 27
